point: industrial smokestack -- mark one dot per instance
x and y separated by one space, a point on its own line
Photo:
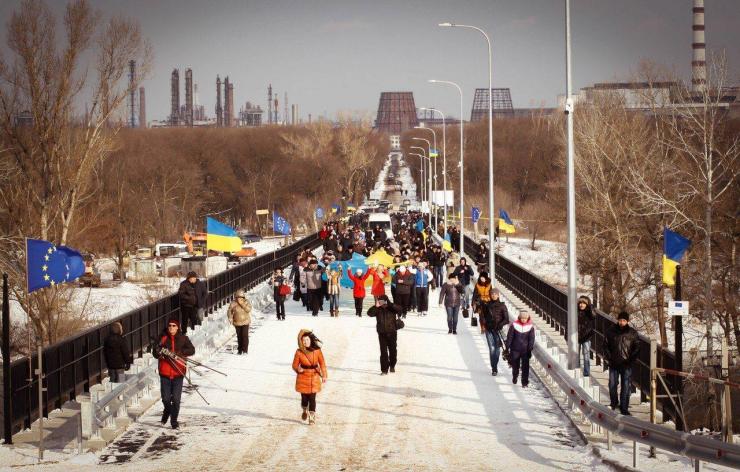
230 104
175 98
142 108
285 107
698 64
132 93
219 109
294 114
188 97
269 104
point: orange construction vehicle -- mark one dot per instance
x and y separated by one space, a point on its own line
196 243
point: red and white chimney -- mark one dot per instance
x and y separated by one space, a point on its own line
698 64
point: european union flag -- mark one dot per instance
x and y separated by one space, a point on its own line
48 265
280 224
475 214
319 213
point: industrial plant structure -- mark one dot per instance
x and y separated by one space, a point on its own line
502 106
396 112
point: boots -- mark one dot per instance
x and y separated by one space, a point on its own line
304 415
311 417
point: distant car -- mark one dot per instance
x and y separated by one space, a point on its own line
250 238
406 201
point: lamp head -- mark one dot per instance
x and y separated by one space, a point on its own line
432 81
447 24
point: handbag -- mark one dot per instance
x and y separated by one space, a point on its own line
284 290
399 324
296 295
465 313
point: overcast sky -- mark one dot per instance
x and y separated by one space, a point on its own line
338 55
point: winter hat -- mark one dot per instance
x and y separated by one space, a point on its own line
174 321
240 294
584 298
402 269
358 271
495 291
192 274
623 315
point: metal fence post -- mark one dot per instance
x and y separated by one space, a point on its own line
653 385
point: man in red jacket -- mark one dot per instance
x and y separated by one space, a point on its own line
173 347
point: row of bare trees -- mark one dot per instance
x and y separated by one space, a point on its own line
673 162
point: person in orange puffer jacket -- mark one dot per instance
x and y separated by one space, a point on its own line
310 369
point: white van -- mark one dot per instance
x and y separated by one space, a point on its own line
383 220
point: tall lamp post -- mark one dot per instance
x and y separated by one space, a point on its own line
424 185
422 157
462 195
429 176
572 307
444 160
491 232
434 173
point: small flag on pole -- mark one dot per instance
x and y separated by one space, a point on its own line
335 208
504 223
48 265
221 237
319 213
674 248
351 207
475 214
280 224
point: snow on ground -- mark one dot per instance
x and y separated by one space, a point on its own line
441 409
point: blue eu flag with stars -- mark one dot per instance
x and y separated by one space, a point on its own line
280 224
48 265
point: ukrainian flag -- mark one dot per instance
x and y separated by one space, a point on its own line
351 207
220 237
504 222
674 247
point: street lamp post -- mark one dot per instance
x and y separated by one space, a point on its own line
422 157
462 141
429 176
572 289
444 161
491 232
433 175
424 185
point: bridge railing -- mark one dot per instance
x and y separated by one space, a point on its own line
73 365
552 304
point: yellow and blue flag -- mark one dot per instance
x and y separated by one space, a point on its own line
220 237
504 223
351 207
335 208
48 265
674 248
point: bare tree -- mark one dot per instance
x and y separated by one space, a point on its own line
56 155
698 172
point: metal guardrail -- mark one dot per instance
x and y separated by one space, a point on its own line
699 448
74 365
552 303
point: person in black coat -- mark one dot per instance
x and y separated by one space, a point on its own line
622 350
188 301
520 342
385 315
117 354
493 317
586 321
